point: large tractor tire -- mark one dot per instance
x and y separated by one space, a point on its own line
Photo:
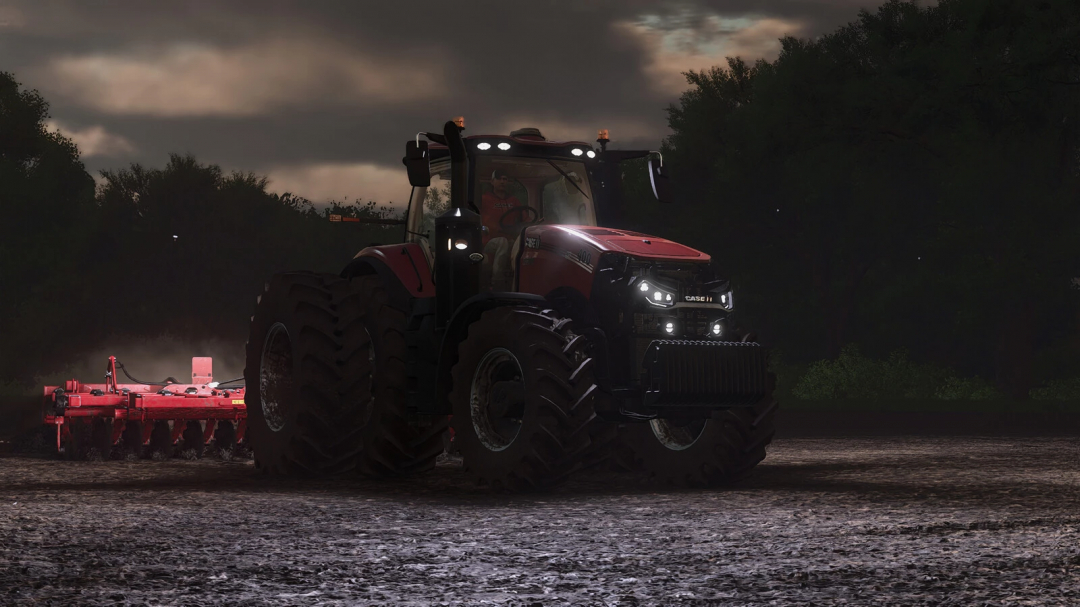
523 399
326 380
375 383
699 453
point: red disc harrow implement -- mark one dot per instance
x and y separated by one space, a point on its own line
146 417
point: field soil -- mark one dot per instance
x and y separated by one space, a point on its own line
823 521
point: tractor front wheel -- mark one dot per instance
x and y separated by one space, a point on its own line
701 452
523 399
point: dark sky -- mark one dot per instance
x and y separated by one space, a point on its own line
321 96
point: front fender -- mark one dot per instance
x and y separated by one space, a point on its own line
458 329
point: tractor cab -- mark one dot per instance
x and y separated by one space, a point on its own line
515 182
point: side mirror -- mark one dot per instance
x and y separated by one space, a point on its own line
416 163
661 185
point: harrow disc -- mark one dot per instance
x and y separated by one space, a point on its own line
161 444
131 442
225 439
192 440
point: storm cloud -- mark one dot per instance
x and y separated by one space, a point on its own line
321 96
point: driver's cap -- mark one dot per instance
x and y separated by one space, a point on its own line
497 173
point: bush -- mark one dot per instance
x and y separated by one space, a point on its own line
1064 389
967 388
853 376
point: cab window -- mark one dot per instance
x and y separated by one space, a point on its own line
554 192
426 204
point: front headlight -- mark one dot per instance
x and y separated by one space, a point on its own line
656 295
725 300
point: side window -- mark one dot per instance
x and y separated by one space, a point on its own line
428 203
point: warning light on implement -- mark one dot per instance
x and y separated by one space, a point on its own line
334 217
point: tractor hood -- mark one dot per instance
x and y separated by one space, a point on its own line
621 241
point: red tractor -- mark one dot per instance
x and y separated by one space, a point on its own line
545 341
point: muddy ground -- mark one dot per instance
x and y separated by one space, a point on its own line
881 521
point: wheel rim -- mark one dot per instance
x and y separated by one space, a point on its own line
678 436
275 377
496 412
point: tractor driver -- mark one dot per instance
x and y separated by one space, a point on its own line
497 273
495 204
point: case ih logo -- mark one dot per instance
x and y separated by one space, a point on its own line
704 298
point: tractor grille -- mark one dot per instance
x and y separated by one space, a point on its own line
690 322
705 373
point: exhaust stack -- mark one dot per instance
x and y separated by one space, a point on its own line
458 241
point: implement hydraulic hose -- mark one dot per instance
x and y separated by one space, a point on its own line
167 381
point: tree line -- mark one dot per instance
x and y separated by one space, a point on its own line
180 251
910 180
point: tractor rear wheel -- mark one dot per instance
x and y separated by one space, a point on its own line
523 399
707 452
327 380
375 385
294 411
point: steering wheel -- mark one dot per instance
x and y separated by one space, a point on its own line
520 209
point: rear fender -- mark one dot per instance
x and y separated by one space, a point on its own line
420 337
457 330
406 262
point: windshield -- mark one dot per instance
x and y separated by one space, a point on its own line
553 191
557 191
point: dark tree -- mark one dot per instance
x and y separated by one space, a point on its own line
46 200
908 180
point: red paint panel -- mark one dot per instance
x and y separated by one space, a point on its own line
202 370
543 271
621 241
564 259
414 274
655 247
